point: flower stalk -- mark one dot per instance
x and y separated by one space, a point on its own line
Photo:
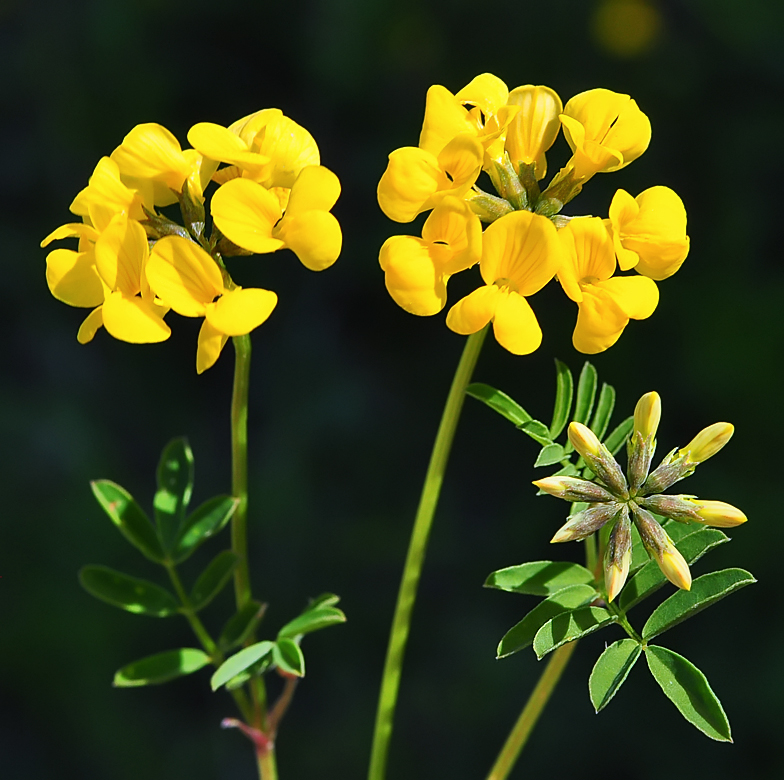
428 501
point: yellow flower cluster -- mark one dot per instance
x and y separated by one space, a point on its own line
485 127
133 265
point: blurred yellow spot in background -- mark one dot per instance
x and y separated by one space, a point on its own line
626 28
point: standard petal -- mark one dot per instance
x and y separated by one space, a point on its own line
73 278
411 177
290 148
129 318
183 275
445 117
592 247
314 237
239 311
472 313
316 187
219 143
535 126
636 296
245 212
411 275
515 325
211 342
72 230
90 326
523 248
486 91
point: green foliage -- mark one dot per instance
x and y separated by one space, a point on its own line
611 671
287 656
128 593
564 390
175 485
239 662
213 579
539 578
568 626
688 689
161 667
206 521
241 625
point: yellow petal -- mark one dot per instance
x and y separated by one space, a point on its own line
589 249
515 326
72 230
73 278
457 230
183 275
411 177
245 212
211 342
90 326
445 118
600 322
486 91
462 160
472 313
290 148
220 144
636 296
411 276
150 151
239 311
314 236
535 126
623 211
316 187
120 253
129 318
523 248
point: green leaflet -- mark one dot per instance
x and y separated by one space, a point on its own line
564 390
241 625
705 590
688 689
287 656
161 667
175 485
128 593
570 626
312 620
213 579
239 662
129 518
604 410
539 578
586 392
498 401
204 522
611 670
522 634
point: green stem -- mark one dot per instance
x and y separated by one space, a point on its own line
239 467
533 709
401 623
265 755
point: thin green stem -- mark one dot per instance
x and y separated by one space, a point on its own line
533 709
428 501
239 467
265 760
207 642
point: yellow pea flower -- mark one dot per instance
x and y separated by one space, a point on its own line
446 115
520 254
151 155
606 303
649 231
106 195
535 126
416 270
416 180
188 280
108 274
251 216
266 146
605 130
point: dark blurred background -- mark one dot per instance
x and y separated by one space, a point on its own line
347 388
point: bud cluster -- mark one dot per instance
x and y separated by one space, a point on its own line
621 500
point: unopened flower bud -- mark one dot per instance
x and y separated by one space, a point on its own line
672 469
573 489
717 513
640 455
675 507
672 564
674 567
647 414
618 556
598 458
583 524
708 442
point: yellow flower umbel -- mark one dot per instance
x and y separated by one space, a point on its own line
133 263
619 500
485 128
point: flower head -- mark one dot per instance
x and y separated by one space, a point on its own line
620 501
